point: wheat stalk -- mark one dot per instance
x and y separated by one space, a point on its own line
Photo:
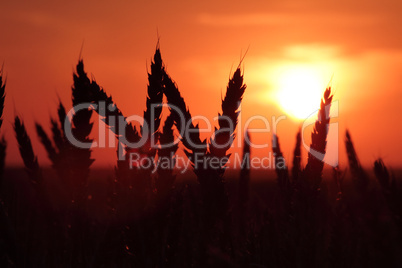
3 147
47 143
359 175
389 190
215 200
382 174
111 114
296 167
193 144
2 96
138 180
153 110
58 149
338 179
3 143
62 115
315 165
223 137
243 190
81 126
26 151
280 167
282 173
211 184
165 180
57 130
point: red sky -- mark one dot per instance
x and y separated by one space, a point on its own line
358 43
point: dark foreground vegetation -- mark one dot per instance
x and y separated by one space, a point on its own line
72 216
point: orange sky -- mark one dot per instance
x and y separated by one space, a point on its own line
357 43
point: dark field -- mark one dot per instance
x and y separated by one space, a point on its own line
348 229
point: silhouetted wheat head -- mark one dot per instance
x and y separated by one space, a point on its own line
3 143
360 178
3 147
127 180
58 148
281 169
390 190
210 179
7 233
81 126
224 136
2 95
190 133
47 143
315 165
110 115
382 174
132 190
71 162
296 167
58 130
152 118
26 151
303 205
152 114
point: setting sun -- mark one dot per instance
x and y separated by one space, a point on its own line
299 91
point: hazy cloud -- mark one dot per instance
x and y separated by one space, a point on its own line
290 18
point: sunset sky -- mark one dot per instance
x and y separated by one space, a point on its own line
355 46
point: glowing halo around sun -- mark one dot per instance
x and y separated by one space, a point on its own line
299 91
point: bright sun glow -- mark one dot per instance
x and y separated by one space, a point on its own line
299 91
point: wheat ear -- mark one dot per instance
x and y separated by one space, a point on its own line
2 96
26 151
280 166
296 167
165 180
223 137
3 143
360 178
81 125
47 143
315 164
189 132
152 114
